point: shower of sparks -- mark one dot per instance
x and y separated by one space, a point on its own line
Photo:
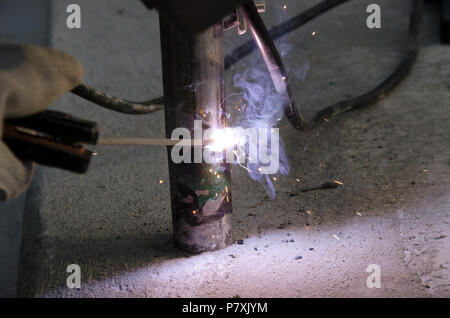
338 182
336 237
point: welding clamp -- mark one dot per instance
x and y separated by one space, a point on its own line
53 139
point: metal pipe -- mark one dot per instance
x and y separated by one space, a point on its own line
193 72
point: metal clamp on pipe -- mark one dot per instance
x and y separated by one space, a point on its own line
273 61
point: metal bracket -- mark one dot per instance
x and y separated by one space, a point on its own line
236 20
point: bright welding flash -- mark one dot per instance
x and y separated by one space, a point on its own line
223 139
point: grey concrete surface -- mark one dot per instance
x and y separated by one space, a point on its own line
393 159
21 21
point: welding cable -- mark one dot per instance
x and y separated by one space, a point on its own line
388 84
113 103
122 106
282 29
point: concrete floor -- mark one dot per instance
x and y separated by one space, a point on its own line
393 159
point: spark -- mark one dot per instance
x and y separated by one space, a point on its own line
194 212
308 211
325 119
336 237
202 113
314 33
298 180
359 213
228 199
161 181
285 7
338 182
425 170
274 179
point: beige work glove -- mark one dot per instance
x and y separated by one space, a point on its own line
31 78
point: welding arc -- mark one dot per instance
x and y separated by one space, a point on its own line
282 29
388 84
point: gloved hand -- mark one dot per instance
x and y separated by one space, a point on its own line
31 78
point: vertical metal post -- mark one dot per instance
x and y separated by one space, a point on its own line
193 77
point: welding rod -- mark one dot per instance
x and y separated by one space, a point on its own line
153 142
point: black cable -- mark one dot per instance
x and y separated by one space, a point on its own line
388 84
102 99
